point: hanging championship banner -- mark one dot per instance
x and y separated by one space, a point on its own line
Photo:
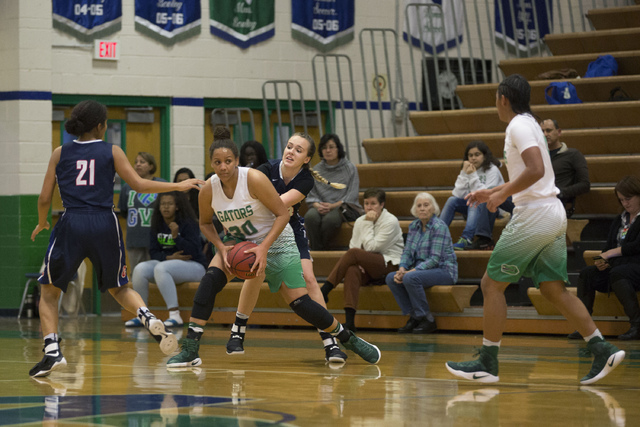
243 22
168 21
439 23
324 25
87 20
522 12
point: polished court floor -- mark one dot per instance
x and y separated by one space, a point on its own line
117 377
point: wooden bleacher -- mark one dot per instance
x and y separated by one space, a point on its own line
620 140
614 17
596 89
589 115
628 63
614 40
442 173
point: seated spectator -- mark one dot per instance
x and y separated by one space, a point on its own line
183 174
618 266
176 254
374 251
325 214
569 167
428 259
479 170
252 154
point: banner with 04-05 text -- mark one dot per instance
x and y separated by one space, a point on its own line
87 20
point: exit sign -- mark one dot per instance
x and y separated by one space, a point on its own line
106 49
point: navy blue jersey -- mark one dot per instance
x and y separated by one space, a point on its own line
303 182
86 174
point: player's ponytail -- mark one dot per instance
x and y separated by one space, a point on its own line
323 180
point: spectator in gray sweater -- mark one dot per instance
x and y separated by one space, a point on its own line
326 203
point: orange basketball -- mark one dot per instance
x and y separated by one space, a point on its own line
241 262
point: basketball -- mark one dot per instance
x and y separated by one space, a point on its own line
241 263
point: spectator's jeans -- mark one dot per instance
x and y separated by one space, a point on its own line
456 204
485 219
165 274
410 294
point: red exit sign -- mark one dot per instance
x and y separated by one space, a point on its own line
106 49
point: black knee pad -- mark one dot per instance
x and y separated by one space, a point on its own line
211 283
312 312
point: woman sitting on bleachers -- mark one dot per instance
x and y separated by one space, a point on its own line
374 251
479 170
326 203
428 259
617 268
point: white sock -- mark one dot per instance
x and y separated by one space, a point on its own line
488 343
175 315
595 333
52 336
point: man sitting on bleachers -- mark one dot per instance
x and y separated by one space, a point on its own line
569 166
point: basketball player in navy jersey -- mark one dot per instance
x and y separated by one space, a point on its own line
85 170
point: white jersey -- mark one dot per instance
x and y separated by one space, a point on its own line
522 133
244 216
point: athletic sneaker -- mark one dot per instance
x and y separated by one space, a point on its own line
48 364
188 357
368 352
172 323
461 244
133 323
168 342
235 345
483 370
333 354
481 244
606 357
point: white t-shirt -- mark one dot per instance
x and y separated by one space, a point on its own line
522 133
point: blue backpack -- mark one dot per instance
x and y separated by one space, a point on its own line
605 65
562 93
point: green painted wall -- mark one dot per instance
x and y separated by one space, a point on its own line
18 254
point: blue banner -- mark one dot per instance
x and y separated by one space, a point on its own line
434 25
324 25
87 20
168 21
525 36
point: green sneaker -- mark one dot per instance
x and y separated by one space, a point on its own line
482 370
368 352
188 357
606 357
461 244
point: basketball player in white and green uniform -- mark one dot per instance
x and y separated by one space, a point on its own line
532 245
249 207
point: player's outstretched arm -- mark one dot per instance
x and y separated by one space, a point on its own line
140 185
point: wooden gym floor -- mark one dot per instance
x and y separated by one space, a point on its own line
117 376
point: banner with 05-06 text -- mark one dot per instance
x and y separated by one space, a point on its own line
323 24
168 21
87 20
243 22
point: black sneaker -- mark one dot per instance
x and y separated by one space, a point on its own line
235 345
481 244
408 328
425 327
333 354
48 364
575 335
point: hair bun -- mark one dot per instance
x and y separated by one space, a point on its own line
221 132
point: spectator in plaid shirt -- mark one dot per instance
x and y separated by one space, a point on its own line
428 259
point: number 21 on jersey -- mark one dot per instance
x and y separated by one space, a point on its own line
86 167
